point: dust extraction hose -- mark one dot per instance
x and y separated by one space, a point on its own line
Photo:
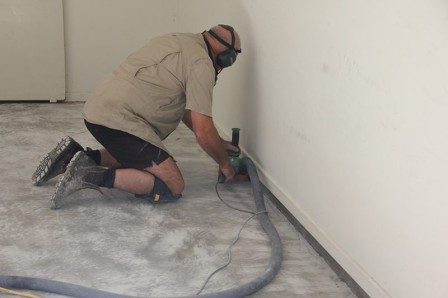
62 288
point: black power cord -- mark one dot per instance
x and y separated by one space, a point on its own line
229 249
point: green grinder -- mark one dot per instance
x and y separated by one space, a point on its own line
234 157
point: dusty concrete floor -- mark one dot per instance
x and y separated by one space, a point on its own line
122 244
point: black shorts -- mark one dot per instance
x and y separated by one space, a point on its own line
130 151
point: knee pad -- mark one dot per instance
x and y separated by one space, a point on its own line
160 193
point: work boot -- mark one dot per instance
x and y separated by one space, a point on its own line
55 162
74 178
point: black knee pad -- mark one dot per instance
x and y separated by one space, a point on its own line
160 193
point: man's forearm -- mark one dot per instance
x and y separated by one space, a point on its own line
209 139
187 119
211 142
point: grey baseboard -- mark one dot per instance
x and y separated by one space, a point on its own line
334 265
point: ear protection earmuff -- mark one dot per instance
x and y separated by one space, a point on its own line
228 57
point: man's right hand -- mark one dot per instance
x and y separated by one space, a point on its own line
239 178
230 176
209 139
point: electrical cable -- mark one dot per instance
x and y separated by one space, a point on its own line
229 252
227 204
229 249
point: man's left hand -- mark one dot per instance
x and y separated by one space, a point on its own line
228 146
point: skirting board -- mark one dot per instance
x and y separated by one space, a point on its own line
361 283
76 96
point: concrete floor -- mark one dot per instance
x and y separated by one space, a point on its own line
122 244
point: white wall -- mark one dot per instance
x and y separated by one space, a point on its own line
31 50
343 104
99 34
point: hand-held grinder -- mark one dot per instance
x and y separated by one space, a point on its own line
234 157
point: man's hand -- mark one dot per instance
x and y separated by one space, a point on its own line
229 175
228 172
209 139
229 147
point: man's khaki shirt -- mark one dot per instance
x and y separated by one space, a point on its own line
148 93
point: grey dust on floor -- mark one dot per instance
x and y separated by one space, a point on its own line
118 243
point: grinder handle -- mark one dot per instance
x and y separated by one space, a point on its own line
235 136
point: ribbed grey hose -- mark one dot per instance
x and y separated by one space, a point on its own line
67 289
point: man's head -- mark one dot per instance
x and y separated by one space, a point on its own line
225 45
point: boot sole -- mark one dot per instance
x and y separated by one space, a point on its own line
46 165
60 186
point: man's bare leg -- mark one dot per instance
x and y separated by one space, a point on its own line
82 169
169 173
142 181
134 181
